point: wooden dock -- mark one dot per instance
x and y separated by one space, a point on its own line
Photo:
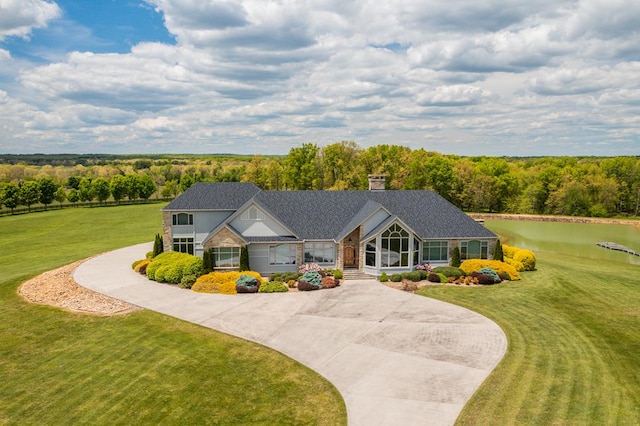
618 247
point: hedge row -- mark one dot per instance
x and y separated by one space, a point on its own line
473 265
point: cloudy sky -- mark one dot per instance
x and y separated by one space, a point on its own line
469 77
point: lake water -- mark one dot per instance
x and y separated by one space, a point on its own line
577 239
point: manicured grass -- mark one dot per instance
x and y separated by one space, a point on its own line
573 329
143 368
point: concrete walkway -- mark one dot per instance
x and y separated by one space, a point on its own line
396 358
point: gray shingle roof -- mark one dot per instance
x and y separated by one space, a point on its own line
322 215
214 196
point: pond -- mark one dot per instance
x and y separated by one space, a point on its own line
576 239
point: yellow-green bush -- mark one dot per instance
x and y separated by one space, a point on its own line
518 265
524 256
139 264
221 282
171 266
473 265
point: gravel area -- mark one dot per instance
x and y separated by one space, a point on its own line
58 288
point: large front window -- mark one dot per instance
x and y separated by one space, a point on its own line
319 252
282 254
183 245
435 251
370 253
474 249
395 247
226 257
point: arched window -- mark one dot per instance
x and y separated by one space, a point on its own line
394 247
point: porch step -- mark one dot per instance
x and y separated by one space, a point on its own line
353 274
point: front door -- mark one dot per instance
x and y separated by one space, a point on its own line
349 257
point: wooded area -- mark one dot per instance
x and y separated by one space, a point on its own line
575 186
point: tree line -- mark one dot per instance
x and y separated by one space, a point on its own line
576 186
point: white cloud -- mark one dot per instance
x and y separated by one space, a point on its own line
19 17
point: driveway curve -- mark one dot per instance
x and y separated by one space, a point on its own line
396 358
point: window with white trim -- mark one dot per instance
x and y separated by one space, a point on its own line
319 252
183 245
253 214
394 247
474 249
226 257
370 253
282 254
435 251
183 219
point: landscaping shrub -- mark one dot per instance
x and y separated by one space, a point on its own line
306 286
273 287
136 263
172 266
443 278
472 265
423 274
187 281
306 267
312 277
221 282
484 279
149 255
433 278
409 286
337 274
247 284
414 276
517 265
449 271
244 259
395 278
207 261
527 258
158 246
142 269
291 283
491 273
383 277
329 282
285 276
455 257
497 252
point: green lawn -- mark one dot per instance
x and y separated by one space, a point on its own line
574 344
143 368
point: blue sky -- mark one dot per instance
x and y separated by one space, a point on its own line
498 77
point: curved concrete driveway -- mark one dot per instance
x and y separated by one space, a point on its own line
396 358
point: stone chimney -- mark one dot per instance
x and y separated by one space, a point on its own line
376 182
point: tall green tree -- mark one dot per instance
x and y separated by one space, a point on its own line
118 187
132 184
86 191
29 193
48 189
10 196
61 196
302 168
101 189
146 186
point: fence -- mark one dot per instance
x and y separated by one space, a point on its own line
57 206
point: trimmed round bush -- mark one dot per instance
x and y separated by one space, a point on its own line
527 258
247 281
273 287
337 274
383 277
449 271
329 282
493 274
306 286
312 277
472 265
414 276
171 266
484 279
395 278
518 266
433 278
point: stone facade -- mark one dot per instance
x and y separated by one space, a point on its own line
167 237
224 238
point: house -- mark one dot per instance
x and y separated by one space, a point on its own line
368 231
